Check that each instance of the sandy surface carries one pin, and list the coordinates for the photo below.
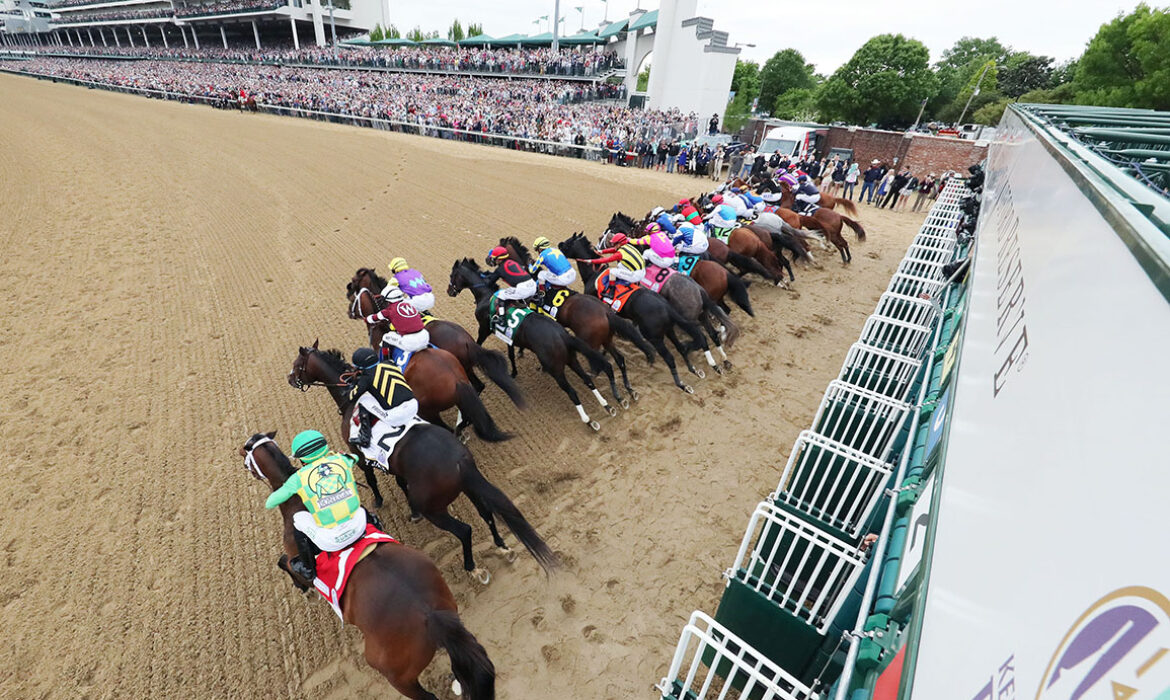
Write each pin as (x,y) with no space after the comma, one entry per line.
(162,264)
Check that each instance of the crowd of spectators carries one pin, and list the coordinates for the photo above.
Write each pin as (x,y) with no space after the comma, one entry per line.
(545,61)
(556,111)
(224,7)
(87,17)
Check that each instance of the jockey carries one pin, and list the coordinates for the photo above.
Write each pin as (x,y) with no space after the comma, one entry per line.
(631,266)
(661,250)
(333,518)
(521,287)
(382,394)
(806,193)
(691,240)
(734,200)
(662,218)
(411,281)
(688,211)
(551,267)
(723,217)
(407,332)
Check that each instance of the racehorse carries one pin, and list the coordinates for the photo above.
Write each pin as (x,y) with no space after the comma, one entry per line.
(395,596)
(828,201)
(447,335)
(591,320)
(430,465)
(653,314)
(719,282)
(695,305)
(829,222)
(553,346)
(747,244)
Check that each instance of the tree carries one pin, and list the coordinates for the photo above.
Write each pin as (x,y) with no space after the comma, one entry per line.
(1127,64)
(884,82)
(738,112)
(474,30)
(376,34)
(455,32)
(417,34)
(785,70)
(991,112)
(986,79)
(799,104)
(392,33)
(746,78)
(1063,73)
(644,79)
(1024,72)
(956,66)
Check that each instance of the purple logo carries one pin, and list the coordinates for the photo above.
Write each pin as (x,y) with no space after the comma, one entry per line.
(1116,650)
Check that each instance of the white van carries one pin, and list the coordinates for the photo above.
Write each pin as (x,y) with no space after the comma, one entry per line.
(795,142)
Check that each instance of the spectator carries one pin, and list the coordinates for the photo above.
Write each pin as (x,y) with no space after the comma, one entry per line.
(893,183)
(851,175)
(925,190)
(870,181)
(717,164)
(713,125)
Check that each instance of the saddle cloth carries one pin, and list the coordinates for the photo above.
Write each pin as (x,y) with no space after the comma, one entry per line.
(616,296)
(334,568)
(505,325)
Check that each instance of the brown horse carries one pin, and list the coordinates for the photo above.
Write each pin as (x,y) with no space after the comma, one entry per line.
(447,335)
(828,201)
(591,320)
(431,467)
(395,596)
(822,219)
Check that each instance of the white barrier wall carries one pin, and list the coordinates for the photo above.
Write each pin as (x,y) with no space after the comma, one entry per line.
(1049,566)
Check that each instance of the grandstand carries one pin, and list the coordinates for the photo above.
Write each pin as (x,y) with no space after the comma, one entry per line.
(995,427)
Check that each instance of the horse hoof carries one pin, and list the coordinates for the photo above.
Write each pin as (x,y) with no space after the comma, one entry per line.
(595,425)
(626,402)
(416,517)
(687,388)
(481,575)
(463,438)
(378,503)
(717,368)
(456,688)
(727,365)
(509,554)
(611,410)
(700,374)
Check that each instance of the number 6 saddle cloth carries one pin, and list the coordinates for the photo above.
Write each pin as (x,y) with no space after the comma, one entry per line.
(554,299)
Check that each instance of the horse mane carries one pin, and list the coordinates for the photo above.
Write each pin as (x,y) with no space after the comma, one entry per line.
(467,264)
(283,463)
(517,246)
(378,279)
(335,360)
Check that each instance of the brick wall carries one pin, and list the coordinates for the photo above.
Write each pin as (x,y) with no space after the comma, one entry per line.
(920,152)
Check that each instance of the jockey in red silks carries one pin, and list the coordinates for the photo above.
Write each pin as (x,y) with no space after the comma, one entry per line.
(689,213)
(631,266)
(407,331)
(521,287)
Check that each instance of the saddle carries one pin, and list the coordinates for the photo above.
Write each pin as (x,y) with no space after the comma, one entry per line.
(616,295)
(504,325)
(685,263)
(554,299)
(334,568)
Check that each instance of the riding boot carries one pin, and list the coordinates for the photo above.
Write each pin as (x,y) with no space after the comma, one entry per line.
(305,563)
(538,298)
(373,519)
(365,429)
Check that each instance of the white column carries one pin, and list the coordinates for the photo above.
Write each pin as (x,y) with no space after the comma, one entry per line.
(256,33)
(223,35)
(129,36)
(103,36)
(318,25)
(194,36)
(90,33)
(296,39)
(70,38)
(146,40)
(184,33)
(631,67)
(162,30)
(117,41)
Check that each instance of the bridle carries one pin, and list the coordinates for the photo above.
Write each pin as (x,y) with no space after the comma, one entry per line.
(250,458)
(304,386)
(355,308)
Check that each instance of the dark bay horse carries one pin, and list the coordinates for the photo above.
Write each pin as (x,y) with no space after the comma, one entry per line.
(395,596)
(719,282)
(828,201)
(746,244)
(554,347)
(431,467)
(654,315)
(824,220)
(363,291)
(591,320)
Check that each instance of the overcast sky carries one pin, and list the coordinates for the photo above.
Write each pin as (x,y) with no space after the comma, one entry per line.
(1048,27)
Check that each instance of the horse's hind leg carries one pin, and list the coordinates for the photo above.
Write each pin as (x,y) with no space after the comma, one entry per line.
(575,365)
(371,480)
(660,345)
(405,680)
(717,338)
(684,350)
(415,516)
(490,519)
(462,531)
(559,376)
(620,360)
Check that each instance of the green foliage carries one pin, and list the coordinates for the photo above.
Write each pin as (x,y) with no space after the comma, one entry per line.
(392,33)
(785,70)
(1024,72)
(884,82)
(746,78)
(955,68)
(474,30)
(1127,64)
(455,31)
(644,79)
(991,112)
(376,34)
(1061,94)
(417,34)
(738,112)
(799,105)
(1063,73)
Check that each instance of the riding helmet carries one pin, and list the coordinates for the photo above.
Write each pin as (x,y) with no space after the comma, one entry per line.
(398,265)
(497,254)
(618,239)
(541,243)
(364,358)
(308,445)
(395,293)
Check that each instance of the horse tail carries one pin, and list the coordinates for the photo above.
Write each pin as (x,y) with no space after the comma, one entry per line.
(469,660)
(856,226)
(626,329)
(747,264)
(738,292)
(721,316)
(485,494)
(789,243)
(495,366)
(597,361)
(847,205)
(472,407)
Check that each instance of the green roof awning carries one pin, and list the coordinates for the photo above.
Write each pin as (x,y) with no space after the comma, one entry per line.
(478,40)
(511,39)
(613,29)
(582,38)
(393,42)
(650,19)
(545,38)
(437,42)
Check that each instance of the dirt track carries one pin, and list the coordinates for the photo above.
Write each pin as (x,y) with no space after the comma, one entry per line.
(163,262)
